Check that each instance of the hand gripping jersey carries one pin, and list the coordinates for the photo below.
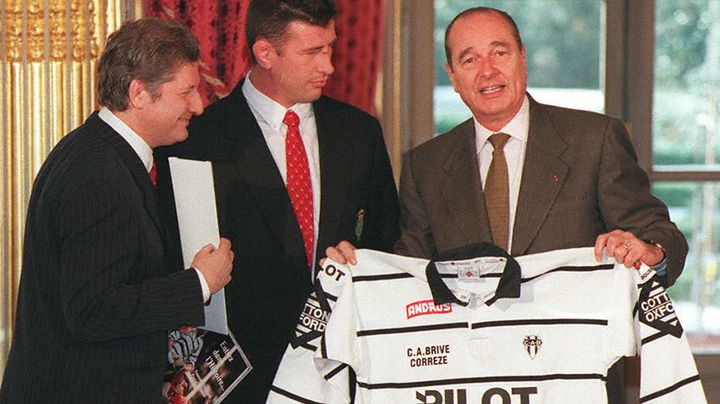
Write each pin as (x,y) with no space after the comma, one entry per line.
(544,328)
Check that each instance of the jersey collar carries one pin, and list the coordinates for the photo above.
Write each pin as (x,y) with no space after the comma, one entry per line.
(508,286)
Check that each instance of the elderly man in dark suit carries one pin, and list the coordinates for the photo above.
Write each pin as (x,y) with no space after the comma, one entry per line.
(296,172)
(99,289)
(572,177)
(569,178)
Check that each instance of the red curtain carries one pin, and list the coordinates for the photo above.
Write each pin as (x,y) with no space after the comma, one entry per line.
(359,26)
(220,28)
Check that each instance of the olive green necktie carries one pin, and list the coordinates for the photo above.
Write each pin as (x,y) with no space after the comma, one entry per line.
(497,191)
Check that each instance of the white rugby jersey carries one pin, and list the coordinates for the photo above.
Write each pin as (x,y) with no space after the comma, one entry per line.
(542,329)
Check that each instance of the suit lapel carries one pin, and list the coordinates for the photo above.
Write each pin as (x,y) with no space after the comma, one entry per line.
(254,162)
(462,191)
(543,175)
(139,174)
(336,159)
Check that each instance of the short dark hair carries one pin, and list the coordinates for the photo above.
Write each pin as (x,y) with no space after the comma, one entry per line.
(479,10)
(269,18)
(150,50)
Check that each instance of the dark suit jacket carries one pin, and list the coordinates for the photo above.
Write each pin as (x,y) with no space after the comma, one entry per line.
(580,179)
(270,279)
(96,294)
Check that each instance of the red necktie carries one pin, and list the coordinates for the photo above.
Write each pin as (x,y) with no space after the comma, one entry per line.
(153,174)
(299,185)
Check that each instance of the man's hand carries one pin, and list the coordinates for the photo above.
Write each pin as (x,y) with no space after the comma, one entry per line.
(215,264)
(627,249)
(342,253)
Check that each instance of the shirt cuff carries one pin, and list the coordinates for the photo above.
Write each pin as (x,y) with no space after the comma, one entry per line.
(206,288)
(661,267)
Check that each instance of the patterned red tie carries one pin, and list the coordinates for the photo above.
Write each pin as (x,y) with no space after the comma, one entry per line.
(299,185)
(153,174)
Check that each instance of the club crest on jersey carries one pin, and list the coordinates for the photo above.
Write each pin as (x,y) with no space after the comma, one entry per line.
(657,311)
(423,307)
(532,345)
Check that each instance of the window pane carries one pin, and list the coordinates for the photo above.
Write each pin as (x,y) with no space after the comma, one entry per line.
(695,208)
(564,51)
(686,100)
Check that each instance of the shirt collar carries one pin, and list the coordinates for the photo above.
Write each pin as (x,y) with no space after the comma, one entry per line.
(517,128)
(508,285)
(269,111)
(142,149)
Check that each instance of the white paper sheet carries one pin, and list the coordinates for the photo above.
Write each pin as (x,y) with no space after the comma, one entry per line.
(197,219)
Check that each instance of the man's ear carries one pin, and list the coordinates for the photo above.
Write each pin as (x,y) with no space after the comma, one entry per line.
(138,95)
(264,52)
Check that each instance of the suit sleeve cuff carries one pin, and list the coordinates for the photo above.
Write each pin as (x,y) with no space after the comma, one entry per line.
(206,288)
(661,267)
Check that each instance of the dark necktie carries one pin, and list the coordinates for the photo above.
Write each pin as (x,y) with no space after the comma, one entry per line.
(497,191)
(153,174)
(299,184)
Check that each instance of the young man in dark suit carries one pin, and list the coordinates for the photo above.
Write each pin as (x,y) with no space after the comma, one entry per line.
(99,289)
(280,228)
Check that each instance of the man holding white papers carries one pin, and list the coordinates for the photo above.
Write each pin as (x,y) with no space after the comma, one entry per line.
(99,290)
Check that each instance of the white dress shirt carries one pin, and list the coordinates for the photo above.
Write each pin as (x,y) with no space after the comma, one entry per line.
(144,151)
(269,116)
(515,147)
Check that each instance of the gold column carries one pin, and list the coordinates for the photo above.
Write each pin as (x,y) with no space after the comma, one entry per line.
(49,50)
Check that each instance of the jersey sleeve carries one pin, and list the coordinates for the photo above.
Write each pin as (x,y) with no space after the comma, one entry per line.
(339,349)
(297,378)
(668,372)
